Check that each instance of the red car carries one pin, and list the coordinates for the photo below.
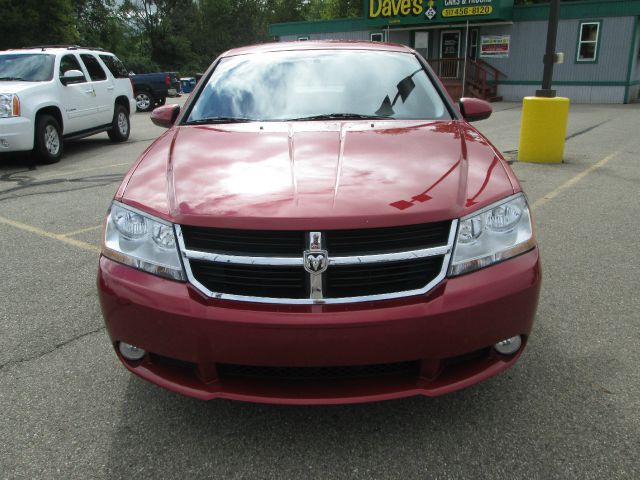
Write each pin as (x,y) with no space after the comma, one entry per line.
(319,224)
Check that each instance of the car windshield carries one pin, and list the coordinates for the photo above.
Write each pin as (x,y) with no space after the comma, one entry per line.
(28,67)
(316,85)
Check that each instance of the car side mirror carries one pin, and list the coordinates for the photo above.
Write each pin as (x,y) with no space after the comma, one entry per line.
(165,116)
(72,76)
(474,109)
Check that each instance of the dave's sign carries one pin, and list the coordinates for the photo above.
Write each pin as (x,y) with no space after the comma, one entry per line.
(394,8)
(436,10)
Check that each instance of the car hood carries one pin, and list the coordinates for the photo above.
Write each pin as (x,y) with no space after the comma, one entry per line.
(317,175)
(17,87)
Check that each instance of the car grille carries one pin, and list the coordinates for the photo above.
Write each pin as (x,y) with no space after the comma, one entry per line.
(351,265)
(380,278)
(257,281)
(385,240)
(244,242)
(319,373)
(365,241)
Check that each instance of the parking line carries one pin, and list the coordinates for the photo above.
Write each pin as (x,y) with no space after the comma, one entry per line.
(82,230)
(573,180)
(50,235)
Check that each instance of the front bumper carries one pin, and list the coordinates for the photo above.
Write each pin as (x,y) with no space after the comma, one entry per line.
(447,333)
(16,134)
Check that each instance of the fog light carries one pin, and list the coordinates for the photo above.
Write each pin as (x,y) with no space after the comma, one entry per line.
(4,143)
(131,352)
(508,346)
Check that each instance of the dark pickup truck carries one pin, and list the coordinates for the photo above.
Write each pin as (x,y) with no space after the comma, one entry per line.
(151,89)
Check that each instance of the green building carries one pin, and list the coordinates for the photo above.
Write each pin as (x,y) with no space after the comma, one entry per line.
(493,49)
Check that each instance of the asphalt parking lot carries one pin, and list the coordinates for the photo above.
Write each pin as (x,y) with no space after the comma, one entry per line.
(569,409)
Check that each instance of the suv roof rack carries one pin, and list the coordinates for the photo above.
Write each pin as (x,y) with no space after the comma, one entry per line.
(68,47)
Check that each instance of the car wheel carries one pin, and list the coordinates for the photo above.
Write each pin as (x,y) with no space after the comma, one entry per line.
(48,142)
(120,126)
(162,101)
(144,101)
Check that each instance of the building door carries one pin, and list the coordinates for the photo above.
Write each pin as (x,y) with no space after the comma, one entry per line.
(473,45)
(449,53)
(421,43)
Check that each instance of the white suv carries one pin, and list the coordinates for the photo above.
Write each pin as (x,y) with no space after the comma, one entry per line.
(51,94)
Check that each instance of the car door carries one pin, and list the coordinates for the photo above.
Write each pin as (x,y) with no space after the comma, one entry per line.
(103,87)
(77,98)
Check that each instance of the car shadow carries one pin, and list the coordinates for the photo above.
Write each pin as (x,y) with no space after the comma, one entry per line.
(24,160)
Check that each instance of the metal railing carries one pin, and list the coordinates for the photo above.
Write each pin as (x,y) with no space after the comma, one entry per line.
(480,78)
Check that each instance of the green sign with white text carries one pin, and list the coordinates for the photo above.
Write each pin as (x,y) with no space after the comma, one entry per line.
(399,12)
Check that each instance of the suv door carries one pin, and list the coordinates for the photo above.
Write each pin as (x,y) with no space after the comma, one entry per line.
(77,98)
(103,87)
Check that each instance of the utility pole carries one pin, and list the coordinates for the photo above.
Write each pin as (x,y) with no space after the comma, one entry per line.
(550,55)
(545,116)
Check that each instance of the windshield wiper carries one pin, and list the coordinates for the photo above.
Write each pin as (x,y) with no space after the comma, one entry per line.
(339,116)
(214,120)
(13,79)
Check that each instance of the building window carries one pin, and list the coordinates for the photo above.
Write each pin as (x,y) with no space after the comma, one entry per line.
(588,42)
(303,39)
(377,37)
(472,52)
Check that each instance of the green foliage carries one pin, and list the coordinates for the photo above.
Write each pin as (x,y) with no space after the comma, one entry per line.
(33,22)
(159,35)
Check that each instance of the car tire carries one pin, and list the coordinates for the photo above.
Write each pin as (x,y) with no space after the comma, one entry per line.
(144,101)
(48,143)
(162,101)
(120,126)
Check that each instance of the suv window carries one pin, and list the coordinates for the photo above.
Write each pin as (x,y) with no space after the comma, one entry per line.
(70,62)
(93,67)
(115,66)
(31,67)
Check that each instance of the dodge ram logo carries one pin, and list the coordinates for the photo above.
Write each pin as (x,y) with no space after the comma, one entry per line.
(316,261)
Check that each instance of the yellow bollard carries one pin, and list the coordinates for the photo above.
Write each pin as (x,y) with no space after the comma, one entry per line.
(543,129)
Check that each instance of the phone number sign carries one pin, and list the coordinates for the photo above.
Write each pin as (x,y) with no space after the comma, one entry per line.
(467,11)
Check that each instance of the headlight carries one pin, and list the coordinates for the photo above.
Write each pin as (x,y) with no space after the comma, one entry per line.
(142,241)
(496,233)
(9,105)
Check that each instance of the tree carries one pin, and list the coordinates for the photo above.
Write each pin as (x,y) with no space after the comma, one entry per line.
(32,22)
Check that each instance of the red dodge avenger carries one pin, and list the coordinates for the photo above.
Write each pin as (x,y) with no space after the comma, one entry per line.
(319,224)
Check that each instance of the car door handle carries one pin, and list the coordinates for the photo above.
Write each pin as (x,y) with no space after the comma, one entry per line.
(110,87)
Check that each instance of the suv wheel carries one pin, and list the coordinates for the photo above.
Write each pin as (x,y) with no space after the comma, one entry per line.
(120,126)
(48,140)
(144,101)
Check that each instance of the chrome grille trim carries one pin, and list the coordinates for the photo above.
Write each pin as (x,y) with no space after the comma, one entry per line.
(445,251)
(298,261)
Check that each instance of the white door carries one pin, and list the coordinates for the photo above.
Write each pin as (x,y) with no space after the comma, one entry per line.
(421,44)
(78,98)
(104,88)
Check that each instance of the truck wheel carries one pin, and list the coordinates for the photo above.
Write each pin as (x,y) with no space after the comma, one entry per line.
(120,126)
(162,101)
(144,101)
(47,147)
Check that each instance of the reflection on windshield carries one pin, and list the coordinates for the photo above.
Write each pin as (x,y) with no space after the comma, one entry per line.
(316,84)
(34,67)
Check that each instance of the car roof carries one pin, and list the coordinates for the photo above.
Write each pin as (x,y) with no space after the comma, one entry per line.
(57,49)
(318,45)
